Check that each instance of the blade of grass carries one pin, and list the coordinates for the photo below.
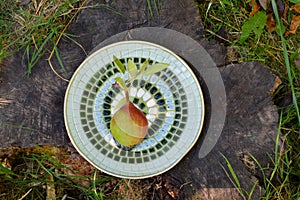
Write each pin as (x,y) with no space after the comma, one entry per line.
(37,54)
(17,126)
(59,58)
(34,57)
(156,7)
(150,8)
(252,190)
(236,181)
(286,58)
(59,38)
(96,195)
(5,171)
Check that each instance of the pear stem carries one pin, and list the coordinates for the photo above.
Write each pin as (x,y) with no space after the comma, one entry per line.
(127,96)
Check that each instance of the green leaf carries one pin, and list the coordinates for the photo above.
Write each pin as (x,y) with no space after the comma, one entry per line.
(144,65)
(295,1)
(256,24)
(121,83)
(119,64)
(152,69)
(132,69)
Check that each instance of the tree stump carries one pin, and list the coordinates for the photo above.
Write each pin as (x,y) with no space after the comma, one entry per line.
(32,106)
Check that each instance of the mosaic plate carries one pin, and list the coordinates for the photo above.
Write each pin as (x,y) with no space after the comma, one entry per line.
(171,99)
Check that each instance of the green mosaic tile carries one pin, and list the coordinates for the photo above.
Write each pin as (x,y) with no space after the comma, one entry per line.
(82,107)
(92,124)
(98,146)
(160,153)
(90,117)
(137,154)
(103,151)
(83,121)
(117,158)
(85,93)
(93,141)
(153,157)
(146,159)
(98,137)
(89,110)
(130,154)
(110,155)
(166,149)
(89,135)
(85,128)
(116,151)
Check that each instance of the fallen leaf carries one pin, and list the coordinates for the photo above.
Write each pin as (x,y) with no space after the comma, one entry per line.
(277,82)
(264,4)
(296,8)
(255,7)
(271,23)
(295,22)
(172,191)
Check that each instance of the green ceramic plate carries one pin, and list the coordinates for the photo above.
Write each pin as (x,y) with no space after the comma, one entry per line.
(172,100)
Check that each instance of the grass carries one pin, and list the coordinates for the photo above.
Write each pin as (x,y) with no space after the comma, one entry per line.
(51,173)
(224,21)
(37,27)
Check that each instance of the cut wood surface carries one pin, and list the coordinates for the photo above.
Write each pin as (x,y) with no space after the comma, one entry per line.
(31,107)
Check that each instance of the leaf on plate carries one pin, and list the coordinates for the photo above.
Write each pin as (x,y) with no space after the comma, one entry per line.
(264,4)
(132,69)
(296,8)
(121,83)
(152,69)
(271,23)
(256,24)
(144,65)
(119,64)
(295,22)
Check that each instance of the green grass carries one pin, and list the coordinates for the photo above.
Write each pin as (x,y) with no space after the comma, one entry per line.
(49,173)
(225,21)
(35,27)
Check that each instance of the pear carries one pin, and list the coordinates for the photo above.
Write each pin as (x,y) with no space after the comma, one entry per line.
(129,125)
